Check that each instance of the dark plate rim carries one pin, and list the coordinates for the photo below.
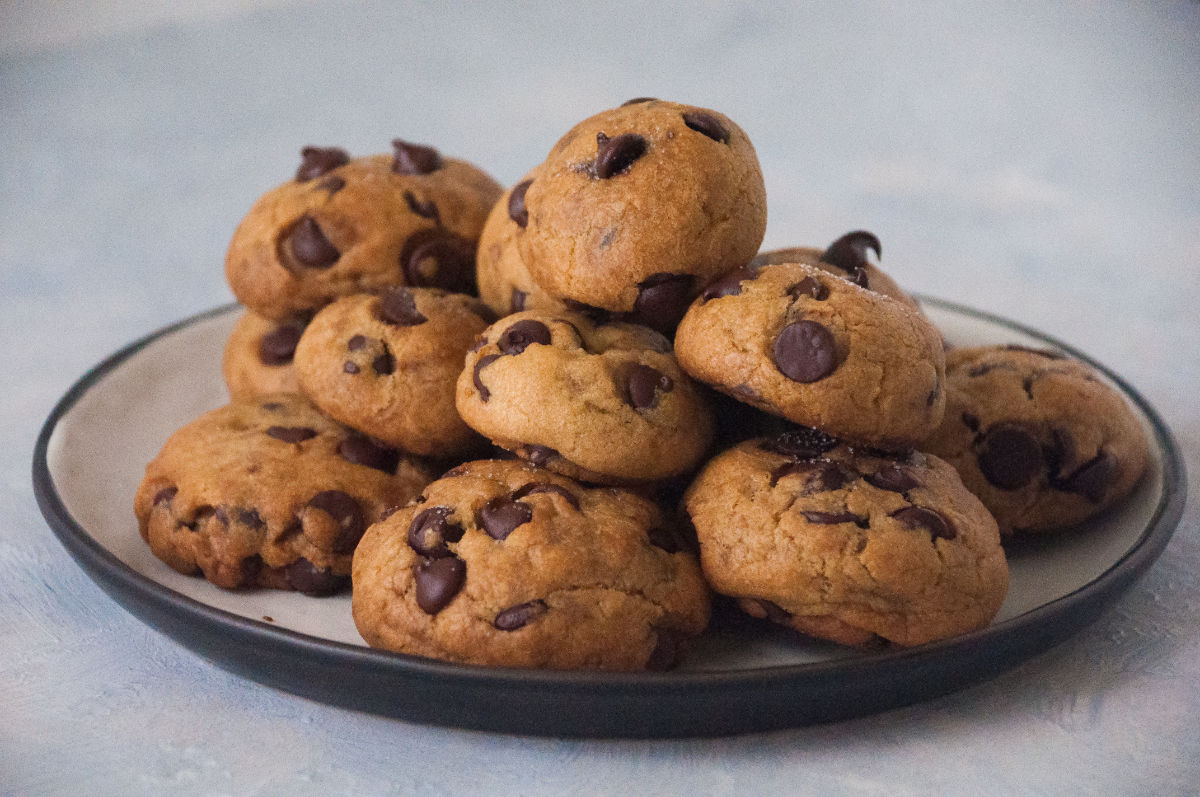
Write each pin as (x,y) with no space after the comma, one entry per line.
(991,650)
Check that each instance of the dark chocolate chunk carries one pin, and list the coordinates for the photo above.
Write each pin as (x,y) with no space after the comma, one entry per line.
(519,616)
(802,443)
(438,581)
(278,346)
(483,362)
(728,285)
(819,476)
(805,351)
(346,512)
(1009,456)
(531,488)
(662,300)
(311,580)
(430,531)
(398,307)
(165,495)
(616,155)
(706,124)
(356,343)
(918,517)
(250,567)
(893,478)
(361,450)
(414,158)
(437,258)
(849,253)
(516,203)
(249,517)
(308,245)
(834,518)
(1094,477)
(811,287)
(970,421)
(426,210)
(384,364)
(643,385)
(501,515)
(523,334)
(291,434)
(316,161)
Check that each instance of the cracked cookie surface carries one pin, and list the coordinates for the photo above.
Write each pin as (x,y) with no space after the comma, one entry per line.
(502,563)
(797,341)
(600,402)
(269,493)
(845,543)
(346,226)
(1038,436)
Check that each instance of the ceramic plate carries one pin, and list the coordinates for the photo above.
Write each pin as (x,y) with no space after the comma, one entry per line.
(741,676)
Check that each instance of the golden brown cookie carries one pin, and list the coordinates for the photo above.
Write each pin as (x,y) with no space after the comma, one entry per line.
(387,366)
(505,564)
(847,544)
(258,356)
(819,350)
(1038,436)
(269,493)
(346,226)
(637,208)
(599,402)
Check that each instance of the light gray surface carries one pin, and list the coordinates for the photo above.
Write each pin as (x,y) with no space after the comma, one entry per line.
(1038,162)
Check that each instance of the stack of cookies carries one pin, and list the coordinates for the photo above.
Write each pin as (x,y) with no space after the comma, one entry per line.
(480,408)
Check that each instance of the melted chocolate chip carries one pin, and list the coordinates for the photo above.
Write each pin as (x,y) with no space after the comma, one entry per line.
(1094,477)
(516,203)
(728,285)
(805,351)
(937,524)
(1009,457)
(638,101)
(438,581)
(426,210)
(615,156)
(810,287)
(970,421)
(291,434)
(316,161)
(483,362)
(818,476)
(801,443)
(384,364)
(362,450)
(414,158)
(332,184)
(346,513)
(398,307)
(893,478)
(308,245)
(430,531)
(278,346)
(165,495)
(849,253)
(834,518)
(249,517)
(540,455)
(519,616)
(438,258)
(516,302)
(523,334)
(643,385)
(501,515)
(706,124)
(532,488)
(305,577)
(356,343)
(662,300)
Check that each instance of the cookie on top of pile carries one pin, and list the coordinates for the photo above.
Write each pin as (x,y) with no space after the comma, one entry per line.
(629,405)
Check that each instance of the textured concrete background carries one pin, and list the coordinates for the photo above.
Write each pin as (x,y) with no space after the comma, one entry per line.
(1036,160)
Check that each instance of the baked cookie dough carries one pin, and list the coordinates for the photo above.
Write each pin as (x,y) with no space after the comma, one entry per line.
(501,563)
(637,208)
(346,226)
(600,402)
(387,366)
(258,356)
(821,351)
(269,493)
(1038,436)
(845,543)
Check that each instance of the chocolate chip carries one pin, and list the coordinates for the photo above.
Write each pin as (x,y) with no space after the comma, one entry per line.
(426,210)
(707,124)
(414,158)
(662,300)
(271,406)
(361,450)
(893,478)
(523,334)
(483,362)
(350,367)
(1009,457)
(937,524)
(316,161)
(346,513)
(438,581)
(291,434)
(615,156)
(278,346)
(249,517)
(539,455)
(811,287)
(398,307)
(434,257)
(305,577)
(986,368)
(834,518)
(519,616)
(819,476)
(597,315)
(1094,477)
(309,246)
(545,487)
(728,285)
(430,531)
(356,343)
(970,421)
(501,515)
(644,384)
(249,569)
(517,302)
(516,203)
(638,101)
(384,364)
(849,253)
(801,443)
(805,351)
(165,495)
(332,184)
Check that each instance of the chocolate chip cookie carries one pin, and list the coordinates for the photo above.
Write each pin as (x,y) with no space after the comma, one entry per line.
(502,563)
(819,350)
(1041,439)
(599,402)
(269,493)
(346,226)
(387,366)
(635,209)
(847,543)
(258,356)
